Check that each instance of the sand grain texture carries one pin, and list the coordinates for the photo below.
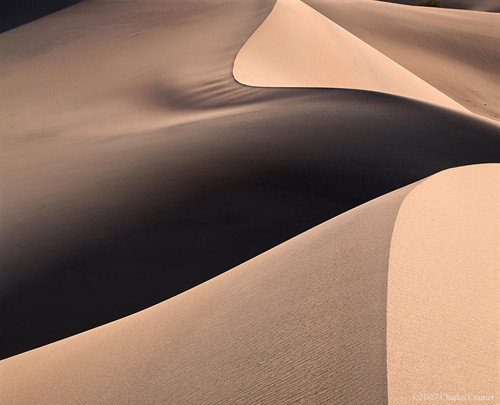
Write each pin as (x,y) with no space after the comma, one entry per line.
(442,309)
(302,322)
(169,235)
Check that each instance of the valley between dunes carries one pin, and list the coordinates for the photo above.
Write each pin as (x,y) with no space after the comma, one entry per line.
(250,202)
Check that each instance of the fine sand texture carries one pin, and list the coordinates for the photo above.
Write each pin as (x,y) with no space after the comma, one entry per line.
(306,321)
(142,217)
(249,202)
(442,301)
(135,167)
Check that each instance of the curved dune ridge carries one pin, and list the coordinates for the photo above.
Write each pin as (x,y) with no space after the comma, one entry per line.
(306,321)
(298,47)
(137,168)
(302,322)
(455,51)
(171,236)
(442,305)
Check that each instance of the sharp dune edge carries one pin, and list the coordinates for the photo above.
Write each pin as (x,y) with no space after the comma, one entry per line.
(309,313)
(443,286)
(298,47)
(138,172)
(132,157)
(302,322)
(455,51)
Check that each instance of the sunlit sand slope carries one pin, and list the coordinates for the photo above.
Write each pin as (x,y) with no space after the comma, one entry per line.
(455,51)
(112,225)
(442,317)
(135,167)
(304,322)
(351,311)
(298,47)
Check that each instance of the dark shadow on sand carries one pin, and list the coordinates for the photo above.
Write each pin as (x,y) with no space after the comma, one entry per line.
(14,13)
(270,175)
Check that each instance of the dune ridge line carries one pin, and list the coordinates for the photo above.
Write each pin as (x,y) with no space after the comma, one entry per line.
(443,287)
(296,46)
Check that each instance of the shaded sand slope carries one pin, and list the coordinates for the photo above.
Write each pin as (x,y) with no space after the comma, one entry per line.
(304,322)
(102,68)
(442,319)
(16,12)
(141,211)
(135,167)
(455,51)
(298,47)
(477,5)
(81,86)
(111,226)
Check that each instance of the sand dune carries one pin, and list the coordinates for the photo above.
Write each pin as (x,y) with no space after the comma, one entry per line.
(305,321)
(135,168)
(455,51)
(477,5)
(298,47)
(302,322)
(144,168)
(442,309)
(141,210)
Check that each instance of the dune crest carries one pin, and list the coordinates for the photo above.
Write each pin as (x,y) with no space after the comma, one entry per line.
(296,46)
(310,312)
(301,323)
(442,312)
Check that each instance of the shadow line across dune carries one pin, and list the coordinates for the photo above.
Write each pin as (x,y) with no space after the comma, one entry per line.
(238,186)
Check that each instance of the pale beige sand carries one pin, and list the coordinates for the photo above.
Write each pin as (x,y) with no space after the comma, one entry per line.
(298,47)
(302,323)
(306,321)
(102,68)
(135,166)
(442,310)
(455,51)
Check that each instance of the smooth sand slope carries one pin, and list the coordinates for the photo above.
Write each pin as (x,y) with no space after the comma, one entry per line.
(455,51)
(298,47)
(306,321)
(118,225)
(442,311)
(477,5)
(135,167)
(17,12)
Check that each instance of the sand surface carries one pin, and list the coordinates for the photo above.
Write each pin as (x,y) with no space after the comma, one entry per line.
(476,5)
(298,47)
(455,51)
(302,322)
(442,299)
(142,166)
(137,171)
(306,321)
(144,230)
